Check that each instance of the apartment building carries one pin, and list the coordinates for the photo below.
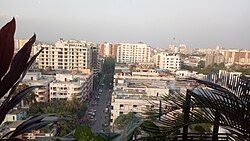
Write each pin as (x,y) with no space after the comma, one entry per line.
(19,43)
(182,48)
(96,64)
(68,55)
(108,50)
(37,79)
(213,58)
(68,86)
(236,56)
(193,60)
(186,74)
(166,61)
(132,95)
(123,72)
(133,53)
(133,89)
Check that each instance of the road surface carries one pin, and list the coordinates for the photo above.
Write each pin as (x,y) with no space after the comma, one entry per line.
(100,105)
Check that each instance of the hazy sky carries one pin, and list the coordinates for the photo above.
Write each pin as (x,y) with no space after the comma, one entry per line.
(197,23)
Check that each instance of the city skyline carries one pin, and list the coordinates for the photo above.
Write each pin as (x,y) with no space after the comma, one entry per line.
(198,24)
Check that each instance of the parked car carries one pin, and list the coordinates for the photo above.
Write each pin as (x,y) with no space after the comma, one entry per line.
(106,110)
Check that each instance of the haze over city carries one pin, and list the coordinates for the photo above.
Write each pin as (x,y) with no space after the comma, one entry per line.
(199,24)
(125,70)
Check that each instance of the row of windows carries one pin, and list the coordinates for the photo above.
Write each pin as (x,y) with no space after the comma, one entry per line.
(171,58)
(134,106)
(59,67)
(171,64)
(172,61)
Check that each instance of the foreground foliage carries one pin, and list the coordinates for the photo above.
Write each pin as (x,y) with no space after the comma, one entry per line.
(12,70)
(226,105)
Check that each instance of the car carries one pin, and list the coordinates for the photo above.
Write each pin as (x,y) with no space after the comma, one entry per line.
(105,124)
(106,110)
(92,103)
(92,113)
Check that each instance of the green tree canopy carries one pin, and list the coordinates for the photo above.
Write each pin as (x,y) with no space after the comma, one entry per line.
(122,121)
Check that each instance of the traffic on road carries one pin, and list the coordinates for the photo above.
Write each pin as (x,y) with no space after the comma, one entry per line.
(98,112)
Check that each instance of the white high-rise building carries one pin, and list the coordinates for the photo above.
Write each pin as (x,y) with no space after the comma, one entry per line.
(68,55)
(133,53)
(164,60)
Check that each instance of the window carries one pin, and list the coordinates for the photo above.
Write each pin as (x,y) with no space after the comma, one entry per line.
(134,106)
(120,113)
(112,107)
(121,106)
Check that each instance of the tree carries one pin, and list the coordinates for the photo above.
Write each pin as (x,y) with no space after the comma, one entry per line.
(72,111)
(201,64)
(122,120)
(238,68)
(108,71)
(84,133)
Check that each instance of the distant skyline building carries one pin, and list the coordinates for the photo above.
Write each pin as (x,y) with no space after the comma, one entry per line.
(182,48)
(213,58)
(19,43)
(237,56)
(108,50)
(133,53)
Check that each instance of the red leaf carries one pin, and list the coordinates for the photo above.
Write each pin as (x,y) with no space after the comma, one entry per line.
(18,66)
(6,46)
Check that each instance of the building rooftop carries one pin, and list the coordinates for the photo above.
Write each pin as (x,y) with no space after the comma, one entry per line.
(41,81)
(15,124)
(130,91)
(13,112)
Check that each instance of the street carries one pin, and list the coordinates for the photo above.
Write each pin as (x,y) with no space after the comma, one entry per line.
(98,112)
